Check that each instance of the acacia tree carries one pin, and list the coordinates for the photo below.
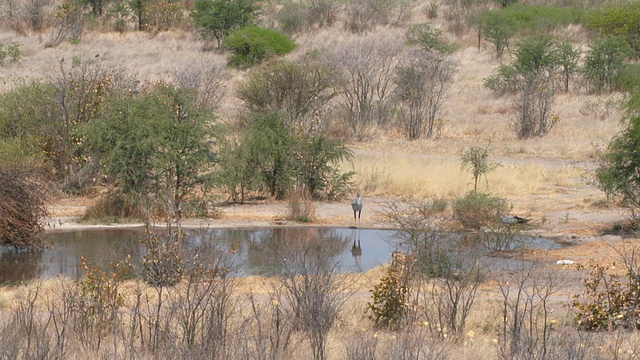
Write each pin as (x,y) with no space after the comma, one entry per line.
(51,111)
(154,146)
(531,82)
(299,89)
(220,17)
(604,62)
(422,82)
(476,160)
(619,172)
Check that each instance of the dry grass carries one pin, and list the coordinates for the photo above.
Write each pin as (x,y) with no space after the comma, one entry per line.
(420,176)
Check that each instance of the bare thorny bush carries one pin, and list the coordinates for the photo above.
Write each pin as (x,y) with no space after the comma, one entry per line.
(22,204)
(447,273)
(367,64)
(311,292)
(527,311)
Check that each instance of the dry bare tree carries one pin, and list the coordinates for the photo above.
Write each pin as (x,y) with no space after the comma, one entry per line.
(204,79)
(422,81)
(365,66)
(312,292)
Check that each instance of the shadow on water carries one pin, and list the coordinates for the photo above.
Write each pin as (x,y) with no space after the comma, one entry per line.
(256,251)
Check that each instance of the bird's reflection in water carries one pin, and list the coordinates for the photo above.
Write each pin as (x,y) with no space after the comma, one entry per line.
(356,249)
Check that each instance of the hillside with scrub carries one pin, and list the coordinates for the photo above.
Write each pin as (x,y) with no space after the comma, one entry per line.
(448,116)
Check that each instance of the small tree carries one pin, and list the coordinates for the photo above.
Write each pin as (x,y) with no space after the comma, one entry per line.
(428,38)
(154,145)
(604,63)
(299,89)
(531,82)
(278,158)
(421,85)
(498,30)
(252,45)
(220,17)
(619,172)
(568,57)
(618,19)
(476,160)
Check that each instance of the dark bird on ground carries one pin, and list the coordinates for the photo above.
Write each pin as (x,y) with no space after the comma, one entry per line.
(512,219)
(357,208)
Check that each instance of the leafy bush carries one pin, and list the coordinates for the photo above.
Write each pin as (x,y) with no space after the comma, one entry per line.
(618,173)
(218,18)
(251,45)
(272,157)
(429,38)
(23,207)
(499,25)
(629,78)
(604,62)
(618,19)
(390,297)
(154,146)
(609,301)
(11,52)
(531,82)
(476,210)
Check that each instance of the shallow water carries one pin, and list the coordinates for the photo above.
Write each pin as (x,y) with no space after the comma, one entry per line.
(256,251)
(266,251)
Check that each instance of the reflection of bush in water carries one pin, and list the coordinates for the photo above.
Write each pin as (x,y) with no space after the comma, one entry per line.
(285,243)
(16,266)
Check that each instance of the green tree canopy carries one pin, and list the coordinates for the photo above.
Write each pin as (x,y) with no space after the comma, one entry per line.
(220,17)
(299,89)
(619,172)
(154,145)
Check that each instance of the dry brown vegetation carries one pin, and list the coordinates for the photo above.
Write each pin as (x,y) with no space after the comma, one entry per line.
(548,179)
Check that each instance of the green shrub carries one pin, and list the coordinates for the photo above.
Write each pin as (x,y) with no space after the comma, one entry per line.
(476,210)
(603,64)
(272,157)
(251,45)
(620,19)
(390,297)
(501,82)
(608,303)
(499,25)
(12,53)
(429,38)
(629,78)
